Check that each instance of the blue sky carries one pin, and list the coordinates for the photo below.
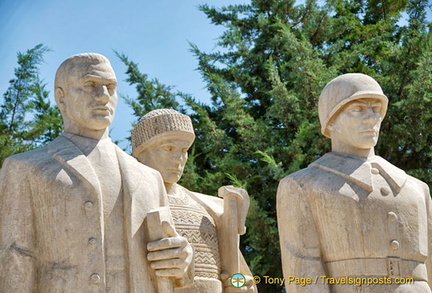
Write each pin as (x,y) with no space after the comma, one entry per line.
(154,34)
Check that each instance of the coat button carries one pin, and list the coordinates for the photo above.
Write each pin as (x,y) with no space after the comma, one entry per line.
(88,205)
(92,242)
(392,216)
(394,244)
(374,171)
(385,191)
(95,279)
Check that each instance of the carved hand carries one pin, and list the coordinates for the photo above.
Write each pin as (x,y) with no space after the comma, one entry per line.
(170,256)
(243,203)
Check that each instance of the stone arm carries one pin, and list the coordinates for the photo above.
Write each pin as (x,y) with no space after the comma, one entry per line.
(236,205)
(299,238)
(17,232)
(215,206)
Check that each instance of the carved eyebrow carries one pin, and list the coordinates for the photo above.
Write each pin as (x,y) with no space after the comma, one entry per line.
(96,77)
(172,143)
(90,76)
(365,103)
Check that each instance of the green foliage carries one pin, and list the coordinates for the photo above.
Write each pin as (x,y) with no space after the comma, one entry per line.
(27,119)
(151,93)
(274,59)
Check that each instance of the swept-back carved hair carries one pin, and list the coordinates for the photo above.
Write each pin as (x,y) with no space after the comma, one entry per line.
(73,64)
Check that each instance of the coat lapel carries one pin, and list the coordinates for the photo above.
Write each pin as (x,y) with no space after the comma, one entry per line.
(359,171)
(352,169)
(133,203)
(142,191)
(395,177)
(68,154)
(139,198)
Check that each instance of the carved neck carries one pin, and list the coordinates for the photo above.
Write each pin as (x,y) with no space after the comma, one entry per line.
(94,134)
(340,147)
(171,188)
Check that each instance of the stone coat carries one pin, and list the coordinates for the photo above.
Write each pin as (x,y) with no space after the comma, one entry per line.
(51,228)
(344,216)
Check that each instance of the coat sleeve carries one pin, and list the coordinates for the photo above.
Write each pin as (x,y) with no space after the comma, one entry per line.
(299,239)
(17,233)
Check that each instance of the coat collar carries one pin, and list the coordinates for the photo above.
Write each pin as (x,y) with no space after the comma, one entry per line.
(359,171)
(134,189)
(67,153)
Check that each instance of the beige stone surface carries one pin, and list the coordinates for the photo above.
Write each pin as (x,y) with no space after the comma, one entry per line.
(72,213)
(351,214)
(161,140)
(158,225)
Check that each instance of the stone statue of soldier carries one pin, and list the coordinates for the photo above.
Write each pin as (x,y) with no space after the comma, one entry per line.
(72,213)
(161,140)
(351,215)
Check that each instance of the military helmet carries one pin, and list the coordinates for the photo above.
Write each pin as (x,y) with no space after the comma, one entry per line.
(344,89)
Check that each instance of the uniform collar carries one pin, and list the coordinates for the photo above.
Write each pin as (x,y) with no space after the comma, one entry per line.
(359,170)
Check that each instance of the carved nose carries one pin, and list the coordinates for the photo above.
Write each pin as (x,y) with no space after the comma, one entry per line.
(103,93)
(177,159)
(370,116)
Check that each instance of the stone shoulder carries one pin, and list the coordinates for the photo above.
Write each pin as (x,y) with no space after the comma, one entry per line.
(302,176)
(413,179)
(140,171)
(213,204)
(208,198)
(28,160)
(134,162)
(424,187)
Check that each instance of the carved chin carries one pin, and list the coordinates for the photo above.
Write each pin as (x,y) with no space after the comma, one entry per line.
(368,142)
(172,177)
(100,122)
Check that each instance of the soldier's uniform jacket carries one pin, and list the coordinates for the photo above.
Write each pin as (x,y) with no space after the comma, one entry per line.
(51,225)
(344,216)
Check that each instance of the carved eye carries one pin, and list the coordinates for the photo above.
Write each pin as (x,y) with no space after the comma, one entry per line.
(376,109)
(111,87)
(357,109)
(168,148)
(89,84)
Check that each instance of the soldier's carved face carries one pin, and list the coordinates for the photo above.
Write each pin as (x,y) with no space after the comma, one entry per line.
(90,97)
(357,125)
(168,155)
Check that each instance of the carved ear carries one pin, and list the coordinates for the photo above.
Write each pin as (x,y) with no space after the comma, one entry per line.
(59,98)
(331,128)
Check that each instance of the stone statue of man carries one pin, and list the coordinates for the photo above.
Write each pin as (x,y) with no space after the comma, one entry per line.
(72,212)
(351,221)
(161,140)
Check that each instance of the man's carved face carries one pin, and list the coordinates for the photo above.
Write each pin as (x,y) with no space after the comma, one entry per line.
(90,97)
(168,155)
(357,125)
